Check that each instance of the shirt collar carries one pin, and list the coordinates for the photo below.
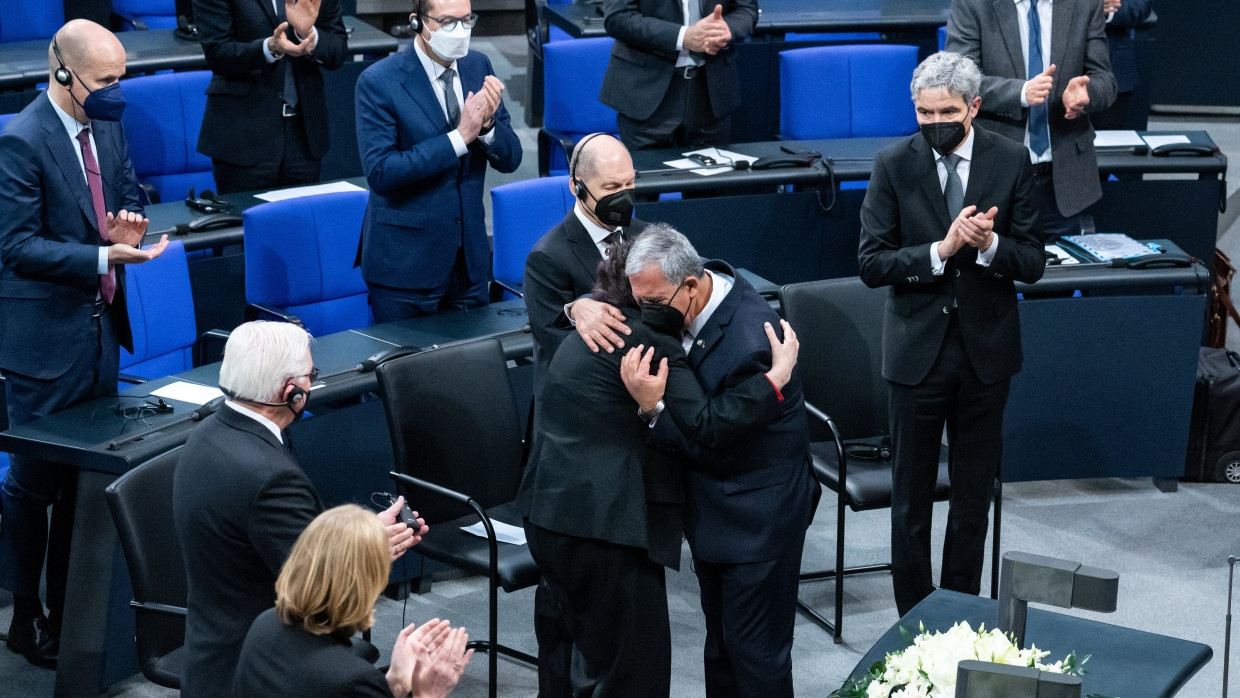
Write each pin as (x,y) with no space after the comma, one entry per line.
(72,125)
(596,231)
(271,426)
(720,286)
(965,151)
(432,68)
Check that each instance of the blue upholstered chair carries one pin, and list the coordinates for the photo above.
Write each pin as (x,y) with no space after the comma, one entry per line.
(521,212)
(24,20)
(4,119)
(145,14)
(846,91)
(942,38)
(161,314)
(572,75)
(838,37)
(162,123)
(299,261)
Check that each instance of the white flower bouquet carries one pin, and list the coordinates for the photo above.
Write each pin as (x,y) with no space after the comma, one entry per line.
(927,667)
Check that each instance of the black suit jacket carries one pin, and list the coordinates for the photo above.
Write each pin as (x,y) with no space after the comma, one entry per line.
(283,660)
(643,58)
(588,474)
(752,500)
(904,213)
(49,240)
(562,267)
(239,501)
(242,124)
(988,31)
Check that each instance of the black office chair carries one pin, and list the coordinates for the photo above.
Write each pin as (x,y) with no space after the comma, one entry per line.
(456,438)
(840,325)
(141,504)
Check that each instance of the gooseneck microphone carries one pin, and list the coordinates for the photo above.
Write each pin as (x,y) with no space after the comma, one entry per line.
(1231,575)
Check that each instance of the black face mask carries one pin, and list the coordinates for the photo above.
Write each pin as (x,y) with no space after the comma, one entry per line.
(615,209)
(663,317)
(944,136)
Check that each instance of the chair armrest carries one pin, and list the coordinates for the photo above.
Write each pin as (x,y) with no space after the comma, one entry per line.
(130,378)
(514,289)
(209,347)
(150,192)
(545,139)
(158,608)
(254,311)
(458,497)
(119,19)
(824,418)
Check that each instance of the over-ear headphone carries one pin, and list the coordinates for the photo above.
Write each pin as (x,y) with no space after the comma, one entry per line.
(296,396)
(415,19)
(863,451)
(579,187)
(61,74)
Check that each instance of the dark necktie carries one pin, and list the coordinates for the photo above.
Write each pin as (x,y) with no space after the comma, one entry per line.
(107,282)
(1039,133)
(611,239)
(953,191)
(449,98)
(290,81)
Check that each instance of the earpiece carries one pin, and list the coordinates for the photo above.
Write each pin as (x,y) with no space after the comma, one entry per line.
(415,17)
(579,187)
(295,397)
(61,74)
(415,23)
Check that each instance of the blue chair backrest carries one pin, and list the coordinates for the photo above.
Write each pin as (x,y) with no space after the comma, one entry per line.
(846,91)
(155,14)
(942,38)
(161,124)
(24,20)
(832,36)
(4,119)
(161,314)
(521,212)
(572,76)
(299,259)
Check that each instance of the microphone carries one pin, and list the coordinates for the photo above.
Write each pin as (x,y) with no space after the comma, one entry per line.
(206,410)
(1231,575)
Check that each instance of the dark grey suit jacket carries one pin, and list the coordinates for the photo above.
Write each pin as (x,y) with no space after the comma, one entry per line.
(904,213)
(283,660)
(643,58)
(239,501)
(988,32)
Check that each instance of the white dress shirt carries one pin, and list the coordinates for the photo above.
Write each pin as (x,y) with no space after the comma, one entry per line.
(242,409)
(433,71)
(1045,10)
(692,11)
(965,151)
(720,286)
(73,127)
(596,232)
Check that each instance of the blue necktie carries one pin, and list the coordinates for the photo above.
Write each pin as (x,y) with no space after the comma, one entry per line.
(1039,133)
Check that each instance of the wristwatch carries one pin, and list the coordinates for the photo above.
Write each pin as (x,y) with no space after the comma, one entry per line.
(652,414)
(487,128)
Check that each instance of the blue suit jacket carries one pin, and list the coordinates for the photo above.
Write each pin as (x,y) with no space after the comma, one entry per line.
(752,500)
(424,201)
(49,240)
(1131,14)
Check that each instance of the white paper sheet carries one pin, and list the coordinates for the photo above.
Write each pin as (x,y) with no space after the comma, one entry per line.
(504,533)
(1155,141)
(295,192)
(184,391)
(723,156)
(1116,139)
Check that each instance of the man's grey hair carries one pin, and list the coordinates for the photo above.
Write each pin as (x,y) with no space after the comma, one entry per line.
(662,245)
(260,356)
(959,74)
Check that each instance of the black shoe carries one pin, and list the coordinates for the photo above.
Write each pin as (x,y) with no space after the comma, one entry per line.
(32,640)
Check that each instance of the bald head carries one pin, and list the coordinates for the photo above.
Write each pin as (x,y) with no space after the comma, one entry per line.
(601,152)
(93,55)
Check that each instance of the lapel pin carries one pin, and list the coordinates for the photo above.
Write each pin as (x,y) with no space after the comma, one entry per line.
(701,344)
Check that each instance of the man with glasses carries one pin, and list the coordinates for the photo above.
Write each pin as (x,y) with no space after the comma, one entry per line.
(265,123)
(240,500)
(429,121)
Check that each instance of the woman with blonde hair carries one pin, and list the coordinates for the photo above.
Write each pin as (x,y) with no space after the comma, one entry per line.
(326,593)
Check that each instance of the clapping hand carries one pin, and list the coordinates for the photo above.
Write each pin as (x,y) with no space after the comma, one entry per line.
(1076,96)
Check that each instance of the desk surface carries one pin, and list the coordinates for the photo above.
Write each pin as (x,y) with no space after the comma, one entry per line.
(779,16)
(93,436)
(24,63)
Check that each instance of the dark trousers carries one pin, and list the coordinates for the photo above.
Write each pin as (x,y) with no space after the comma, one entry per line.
(32,485)
(682,120)
(950,394)
(455,292)
(613,601)
(750,611)
(1051,222)
(294,166)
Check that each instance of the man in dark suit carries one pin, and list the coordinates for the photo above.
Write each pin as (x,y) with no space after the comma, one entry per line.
(265,123)
(671,74)
(562,267)
(1045,67)
(71,222)
(948,223)
(426,138)
(602,519)
(747,505)
(240,500)
(1122,20)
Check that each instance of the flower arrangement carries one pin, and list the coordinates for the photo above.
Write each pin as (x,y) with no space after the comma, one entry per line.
(927,667)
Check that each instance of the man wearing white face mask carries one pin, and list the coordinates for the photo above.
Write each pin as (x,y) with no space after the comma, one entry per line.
(429,121)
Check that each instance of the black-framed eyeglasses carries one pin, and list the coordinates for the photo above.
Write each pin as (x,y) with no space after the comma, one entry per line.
(449,23)
(313,375)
